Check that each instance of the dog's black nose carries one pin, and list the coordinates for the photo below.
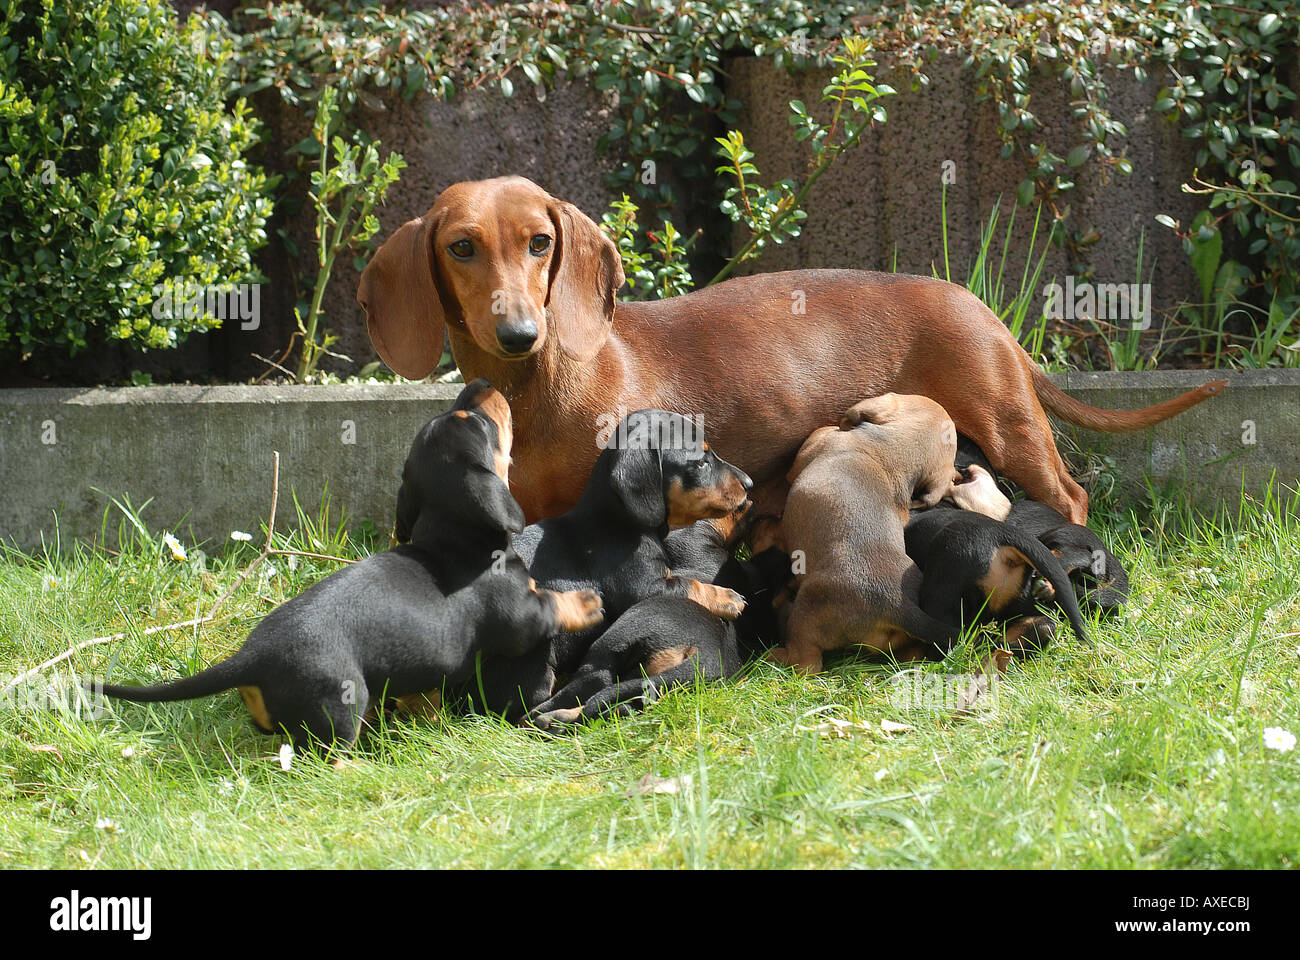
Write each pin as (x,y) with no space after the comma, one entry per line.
(518,336)
(745,480)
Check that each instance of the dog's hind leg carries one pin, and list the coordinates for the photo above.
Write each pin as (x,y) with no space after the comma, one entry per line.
(628,696)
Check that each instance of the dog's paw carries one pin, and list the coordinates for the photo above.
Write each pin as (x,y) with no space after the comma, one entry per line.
(719,601)
(551,719)
(778,655)
(578,609)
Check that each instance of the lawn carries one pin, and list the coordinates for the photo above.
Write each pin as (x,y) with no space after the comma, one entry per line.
(1146,749)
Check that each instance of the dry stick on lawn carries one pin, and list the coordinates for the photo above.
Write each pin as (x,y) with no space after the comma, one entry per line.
(267,551)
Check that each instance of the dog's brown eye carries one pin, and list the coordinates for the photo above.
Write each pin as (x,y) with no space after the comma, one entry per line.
(462,249)
(539,244)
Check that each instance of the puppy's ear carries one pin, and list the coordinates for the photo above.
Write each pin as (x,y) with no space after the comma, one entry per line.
(877,410)
(586,273)
(498,505)
(404,311)
(408,510)
(637,476)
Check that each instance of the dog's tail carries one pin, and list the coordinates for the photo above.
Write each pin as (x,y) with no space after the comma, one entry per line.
(232,672)
(1057,401)
(1045,562)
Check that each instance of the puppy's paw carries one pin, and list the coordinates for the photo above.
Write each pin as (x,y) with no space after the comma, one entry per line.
(778,655)
(802,662)
(719,601)
(566,716)
(578,609)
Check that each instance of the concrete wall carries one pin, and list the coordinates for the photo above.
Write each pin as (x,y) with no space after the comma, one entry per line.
(884,197)
(204,453)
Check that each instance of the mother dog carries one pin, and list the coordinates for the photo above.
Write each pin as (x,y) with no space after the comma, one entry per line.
(525,285)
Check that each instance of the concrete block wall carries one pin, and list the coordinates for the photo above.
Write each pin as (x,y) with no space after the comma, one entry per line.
(204,454)
(882,200)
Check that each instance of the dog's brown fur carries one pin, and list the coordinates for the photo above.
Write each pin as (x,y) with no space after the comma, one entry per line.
(762,377)
(851,489)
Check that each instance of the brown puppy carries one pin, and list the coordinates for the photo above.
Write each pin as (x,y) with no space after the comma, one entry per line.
(851,488)
(525,285)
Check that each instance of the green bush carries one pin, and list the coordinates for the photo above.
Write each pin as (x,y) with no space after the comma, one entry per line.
(121,168)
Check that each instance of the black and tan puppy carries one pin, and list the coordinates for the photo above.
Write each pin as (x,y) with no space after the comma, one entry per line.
(664,642)
(656,472)
(1100,580)
(976,569)
(413,618)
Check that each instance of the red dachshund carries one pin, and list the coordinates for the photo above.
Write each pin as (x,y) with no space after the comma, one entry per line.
(525,284)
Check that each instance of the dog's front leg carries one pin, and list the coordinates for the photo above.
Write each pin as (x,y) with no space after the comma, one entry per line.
(719,601)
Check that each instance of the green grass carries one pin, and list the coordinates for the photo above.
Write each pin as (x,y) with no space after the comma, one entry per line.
(1144,750)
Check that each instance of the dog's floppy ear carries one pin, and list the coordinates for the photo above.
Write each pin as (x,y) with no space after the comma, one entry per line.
(404,313)
(637,476)
(586,273)
(877,410)
(408,510)
(493,498)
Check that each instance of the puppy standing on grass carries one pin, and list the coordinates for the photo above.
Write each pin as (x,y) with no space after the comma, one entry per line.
(851,489)
(411,619)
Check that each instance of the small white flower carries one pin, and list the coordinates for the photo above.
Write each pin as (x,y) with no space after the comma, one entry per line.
(881,774)
(176,548)
(105,824)
(241,536)
(286,756)
(225,786)
(48,582)
(128,752)
(1275,738)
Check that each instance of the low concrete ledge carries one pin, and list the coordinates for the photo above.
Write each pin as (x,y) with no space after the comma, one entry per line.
(1239,440)
(203,454)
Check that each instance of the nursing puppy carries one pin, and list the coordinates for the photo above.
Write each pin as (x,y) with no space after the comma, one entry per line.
(656,472)
(1099,579)
(977,569)
(411,619)
(851,491)
(664,642)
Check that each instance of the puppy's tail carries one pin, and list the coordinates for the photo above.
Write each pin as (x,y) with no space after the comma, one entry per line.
(1057,401)
(221,676)
(1045,563)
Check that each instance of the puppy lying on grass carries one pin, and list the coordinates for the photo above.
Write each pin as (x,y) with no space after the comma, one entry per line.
(976,569)
(409,620)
